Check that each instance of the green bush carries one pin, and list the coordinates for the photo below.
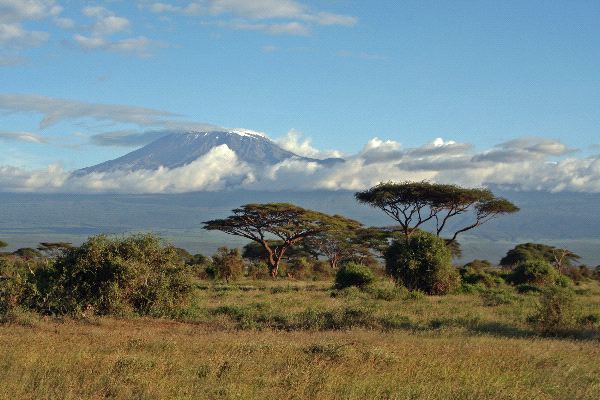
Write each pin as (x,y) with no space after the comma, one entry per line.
(20,284)
(537,272)
(352,274)
(496,297)
(423,263)
(480,272)
(555,311)
(136,274)
(228,264)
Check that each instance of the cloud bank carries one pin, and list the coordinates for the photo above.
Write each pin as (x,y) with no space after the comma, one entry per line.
(537,164)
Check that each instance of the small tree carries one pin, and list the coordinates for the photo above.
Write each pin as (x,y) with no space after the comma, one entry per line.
(352,274)
(110,275)
(3,244)
(261,222)
(228,264)
(413,204)
(345,239)
(536,272)
(423,263)
(561,259)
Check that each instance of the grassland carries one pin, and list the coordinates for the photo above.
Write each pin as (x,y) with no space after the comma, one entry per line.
(267,340)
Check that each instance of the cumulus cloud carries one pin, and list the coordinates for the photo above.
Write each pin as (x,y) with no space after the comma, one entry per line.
(13,13)
(216,170)
(106,24)
(295,142)
(271,16)
(379,160)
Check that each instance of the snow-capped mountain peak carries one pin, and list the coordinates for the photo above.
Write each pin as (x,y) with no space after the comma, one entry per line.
(178,148)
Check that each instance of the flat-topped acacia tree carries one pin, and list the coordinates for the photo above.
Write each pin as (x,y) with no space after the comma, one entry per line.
(413,204)
(262,222)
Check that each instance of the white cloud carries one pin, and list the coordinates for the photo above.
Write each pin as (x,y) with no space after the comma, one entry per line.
(64,23)
(19,180)
(214,171)
(140,45)
(13,13)
(14,35)
(379,160)
(293,141)
(106,24)
(54,110)
(23,137)
(271,16)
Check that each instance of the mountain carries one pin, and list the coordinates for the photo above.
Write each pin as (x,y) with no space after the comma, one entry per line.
(176,149)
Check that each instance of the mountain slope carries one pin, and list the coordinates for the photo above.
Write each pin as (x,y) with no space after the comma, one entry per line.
(177,149)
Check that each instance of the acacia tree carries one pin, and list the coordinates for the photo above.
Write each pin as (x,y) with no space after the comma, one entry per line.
(413,204)
(343,239)
(560,258)
(288,223)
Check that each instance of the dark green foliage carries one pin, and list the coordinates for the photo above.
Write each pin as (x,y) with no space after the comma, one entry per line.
(289,223)
(353,274)
(3,244)
(556,310)
(481,272)
(496,297)
(20,284)
(536,272)
(228,264)
(527,288)
(422,263)
(135,274)
(560,258)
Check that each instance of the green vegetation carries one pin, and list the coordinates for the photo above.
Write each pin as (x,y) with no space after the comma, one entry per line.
(423,262)
(316,306)
(352,274)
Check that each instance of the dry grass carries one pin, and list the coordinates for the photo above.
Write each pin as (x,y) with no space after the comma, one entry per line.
(453,347)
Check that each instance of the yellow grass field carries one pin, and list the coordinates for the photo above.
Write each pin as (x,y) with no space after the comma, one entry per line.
(452,347)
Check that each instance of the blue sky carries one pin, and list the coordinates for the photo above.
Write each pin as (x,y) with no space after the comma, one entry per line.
(340,72)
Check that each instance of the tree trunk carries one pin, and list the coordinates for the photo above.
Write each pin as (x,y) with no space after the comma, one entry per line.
(274,266)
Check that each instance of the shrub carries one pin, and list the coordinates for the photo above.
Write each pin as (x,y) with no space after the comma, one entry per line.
(496,297)
(20,283)
(555,311)
(136,274)
(423,263)
(480,272)
(228,264)
(258,270)
(353,274)
(536,272)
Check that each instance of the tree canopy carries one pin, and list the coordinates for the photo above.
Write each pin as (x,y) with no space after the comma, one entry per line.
(344,239)
(287,223)
(413,204)
(526,252)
